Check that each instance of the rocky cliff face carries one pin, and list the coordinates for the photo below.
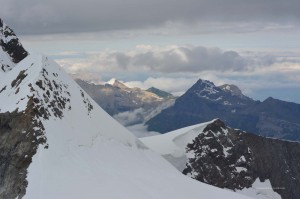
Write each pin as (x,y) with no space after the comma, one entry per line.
(18,139)
(229,158)
(20,136)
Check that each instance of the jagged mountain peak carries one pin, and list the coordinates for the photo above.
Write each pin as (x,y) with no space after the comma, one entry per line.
(215,125)
(11,51)
(116,83)
(204,88)
(209,91)
(204,83)
(120,85)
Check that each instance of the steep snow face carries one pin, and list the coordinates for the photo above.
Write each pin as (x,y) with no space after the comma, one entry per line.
(260,190)
(86,154)
(172,145)
(56,96)
(5,62)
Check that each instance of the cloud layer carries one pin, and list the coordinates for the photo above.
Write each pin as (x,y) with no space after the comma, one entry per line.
(170,59)
(176,68)
(69,16)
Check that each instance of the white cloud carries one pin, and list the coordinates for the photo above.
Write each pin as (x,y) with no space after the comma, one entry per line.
(169,59)
(139,130)
(69,16)
(173,85)
(176,68)
(130,117)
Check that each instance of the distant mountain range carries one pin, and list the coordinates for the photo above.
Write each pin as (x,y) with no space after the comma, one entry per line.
(204,101)
(218,155)
(115,98)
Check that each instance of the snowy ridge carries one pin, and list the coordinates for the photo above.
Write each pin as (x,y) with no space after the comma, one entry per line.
(172,145)
(86,154)
(5,62)
(55,94)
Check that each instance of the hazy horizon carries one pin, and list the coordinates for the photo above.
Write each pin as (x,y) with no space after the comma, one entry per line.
(168,44)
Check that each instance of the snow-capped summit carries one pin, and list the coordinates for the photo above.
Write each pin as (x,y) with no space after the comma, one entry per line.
(234,90)
(225,94)
(202,102)
(56,142)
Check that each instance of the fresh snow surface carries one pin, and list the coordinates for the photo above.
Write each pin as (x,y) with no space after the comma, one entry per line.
(5,60)
(172,146)
(260,190)
(11,99)
(90,155)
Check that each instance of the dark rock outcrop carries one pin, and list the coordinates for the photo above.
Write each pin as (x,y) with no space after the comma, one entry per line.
(20,135)
(229,158)
(10,44)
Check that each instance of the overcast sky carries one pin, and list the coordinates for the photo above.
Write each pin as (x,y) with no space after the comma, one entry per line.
(168,43)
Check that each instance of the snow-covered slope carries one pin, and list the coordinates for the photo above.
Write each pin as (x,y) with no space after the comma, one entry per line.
(80,151)
(172,145)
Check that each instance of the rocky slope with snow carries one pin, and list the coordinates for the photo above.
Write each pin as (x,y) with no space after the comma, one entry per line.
(160,93)
(56,142)
(12,50)
(204,101)
(229,158)
(118,100)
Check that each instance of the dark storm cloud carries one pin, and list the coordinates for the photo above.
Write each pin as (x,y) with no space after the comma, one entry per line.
(68,16)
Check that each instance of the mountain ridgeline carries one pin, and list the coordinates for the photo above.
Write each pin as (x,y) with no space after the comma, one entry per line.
(129,106)
(160,93)
(117,97)
(204,101)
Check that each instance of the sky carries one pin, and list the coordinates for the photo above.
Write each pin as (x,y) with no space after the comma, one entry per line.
(168,44)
